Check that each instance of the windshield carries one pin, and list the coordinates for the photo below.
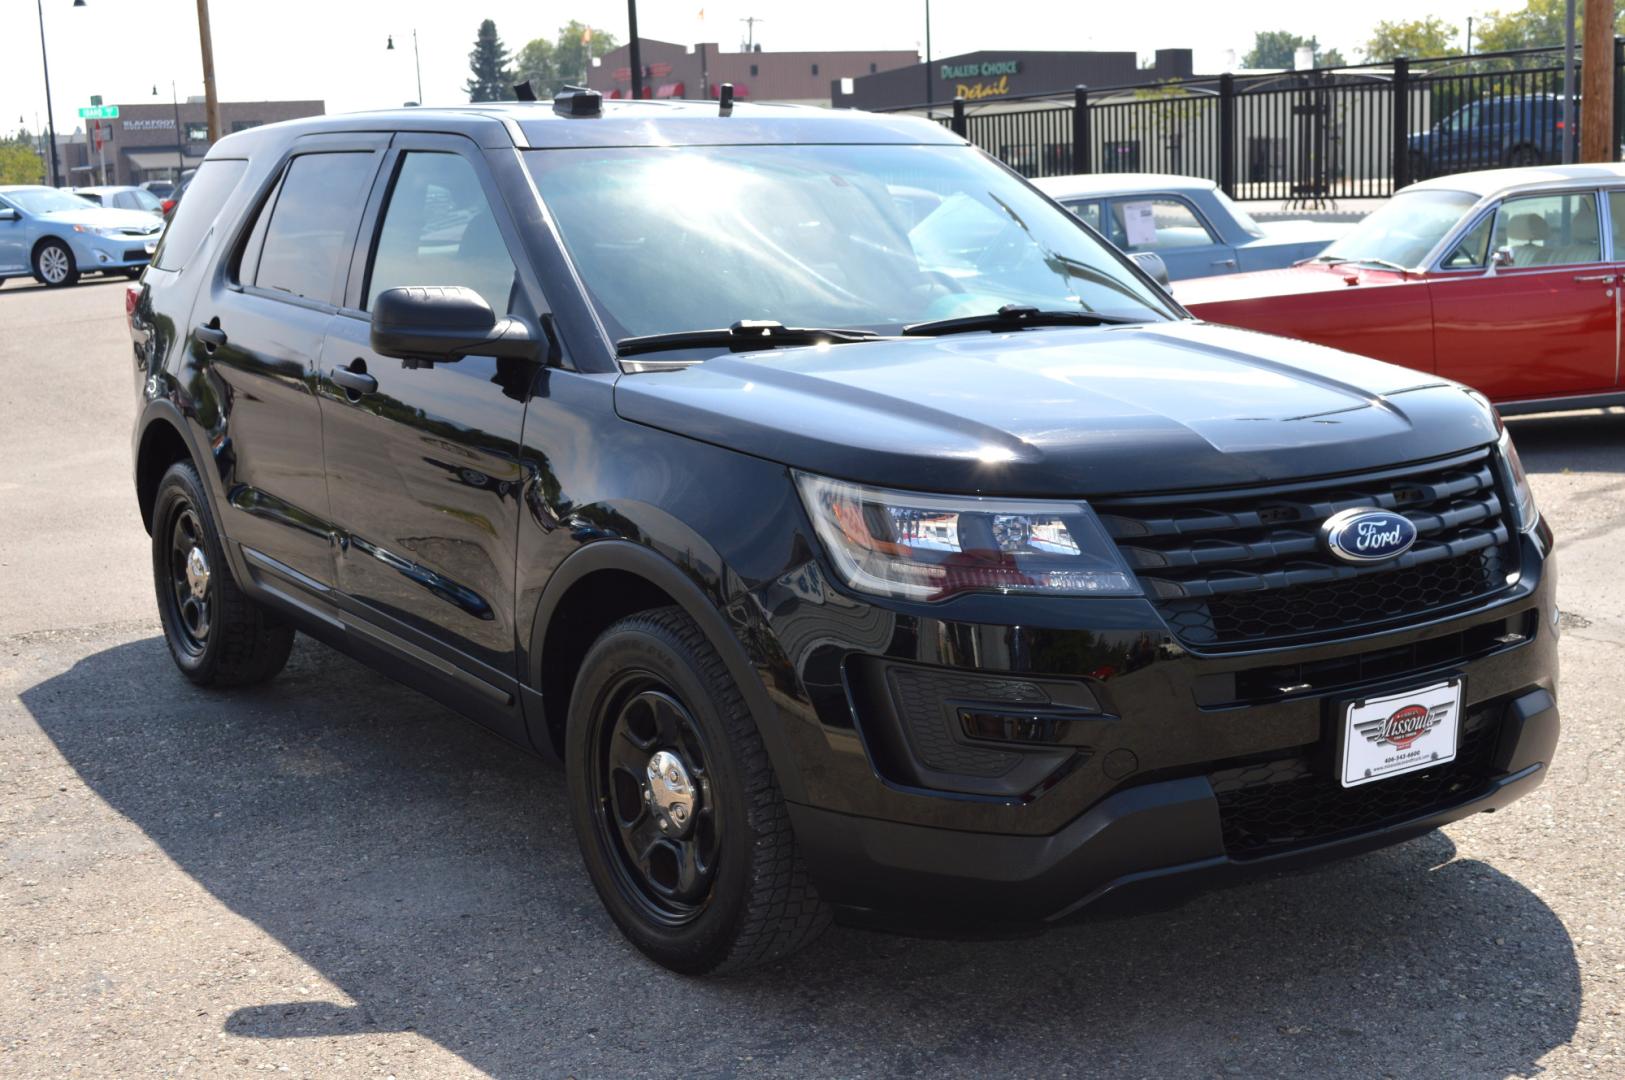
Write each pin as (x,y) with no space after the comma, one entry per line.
(45,200)
(1403,230)
(146,200)
(1243,218)
(851,237)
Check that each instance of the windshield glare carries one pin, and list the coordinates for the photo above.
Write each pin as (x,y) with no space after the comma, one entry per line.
(1403,230)
(47,200)
(858,237)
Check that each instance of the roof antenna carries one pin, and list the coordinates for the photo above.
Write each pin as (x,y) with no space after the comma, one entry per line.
(524,91)
(725,98)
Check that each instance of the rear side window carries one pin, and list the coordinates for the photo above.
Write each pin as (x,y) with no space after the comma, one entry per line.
(313,222)
(216,179)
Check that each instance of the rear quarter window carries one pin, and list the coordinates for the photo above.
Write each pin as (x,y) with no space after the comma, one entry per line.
(214,182)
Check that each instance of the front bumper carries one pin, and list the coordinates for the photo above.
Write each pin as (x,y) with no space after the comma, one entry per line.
(1143,845)
(1163,794)
(93,252)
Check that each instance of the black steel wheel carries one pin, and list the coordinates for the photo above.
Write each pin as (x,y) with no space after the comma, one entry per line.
(681,824)
(216,634)
(655,801)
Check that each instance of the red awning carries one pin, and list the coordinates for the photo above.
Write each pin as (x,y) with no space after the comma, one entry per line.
(670,90)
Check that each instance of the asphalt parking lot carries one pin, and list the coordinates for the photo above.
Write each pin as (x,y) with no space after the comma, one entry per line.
(334,876)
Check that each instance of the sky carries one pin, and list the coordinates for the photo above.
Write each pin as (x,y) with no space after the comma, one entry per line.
(334,49)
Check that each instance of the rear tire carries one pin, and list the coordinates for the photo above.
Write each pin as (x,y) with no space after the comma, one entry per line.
(721,887)
(216,634)
(54,265)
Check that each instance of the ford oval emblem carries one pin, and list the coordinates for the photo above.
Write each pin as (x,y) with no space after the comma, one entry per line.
(1367,536)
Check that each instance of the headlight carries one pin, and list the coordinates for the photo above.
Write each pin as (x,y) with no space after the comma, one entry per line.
(930,547)
(112,233)
(1523,497)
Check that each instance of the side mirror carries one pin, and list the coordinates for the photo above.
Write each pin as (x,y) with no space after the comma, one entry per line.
(1501,257)
(8,214)
(446,322)
(1152,264)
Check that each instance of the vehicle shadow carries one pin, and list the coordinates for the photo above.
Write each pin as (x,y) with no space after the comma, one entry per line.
(1592,441)
(430,873)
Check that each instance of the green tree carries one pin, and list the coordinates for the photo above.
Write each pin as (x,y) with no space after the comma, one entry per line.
(19,162)
(1278,49)
(1412,38)
(535,63)
(1538,26)
(492,80)
(551,64)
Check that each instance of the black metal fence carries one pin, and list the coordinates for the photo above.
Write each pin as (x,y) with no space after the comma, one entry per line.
(1347,132)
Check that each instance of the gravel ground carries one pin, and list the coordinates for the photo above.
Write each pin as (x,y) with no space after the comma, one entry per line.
(336,877)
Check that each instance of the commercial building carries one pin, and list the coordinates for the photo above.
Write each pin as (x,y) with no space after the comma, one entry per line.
(696,71)
(989,77)
(153,140)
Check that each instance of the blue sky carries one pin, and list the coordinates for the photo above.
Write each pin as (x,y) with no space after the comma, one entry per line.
(334,49)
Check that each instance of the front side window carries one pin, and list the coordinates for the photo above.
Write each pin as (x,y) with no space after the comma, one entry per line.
(312,226)
(858,237)
(1550,230)
(438,229)
(1088,212)
(1473,250)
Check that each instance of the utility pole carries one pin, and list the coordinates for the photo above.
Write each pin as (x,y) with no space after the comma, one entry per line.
(637,53)
(1568,83)
(210,97)
(1597,83)
(417,63)
(1469,35)
(928,56)
(750,22)
(180,135)
(50,120)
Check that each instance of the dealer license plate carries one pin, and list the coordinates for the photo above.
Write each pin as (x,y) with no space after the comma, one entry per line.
(1401,733)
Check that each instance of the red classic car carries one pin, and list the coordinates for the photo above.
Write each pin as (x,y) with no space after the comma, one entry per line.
(1509,280)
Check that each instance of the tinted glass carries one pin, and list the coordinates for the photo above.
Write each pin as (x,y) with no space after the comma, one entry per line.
(313,223)
(214,181)
(137,199)
(870,237)
(1549,230)
(1088,211)
(439,230)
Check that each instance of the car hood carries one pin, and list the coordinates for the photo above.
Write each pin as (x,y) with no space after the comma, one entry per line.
(1064,412)
(104,217)
(1287,281)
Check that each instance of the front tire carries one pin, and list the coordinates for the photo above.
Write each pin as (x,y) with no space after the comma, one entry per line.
(54,265)
(679,817)
(216,634)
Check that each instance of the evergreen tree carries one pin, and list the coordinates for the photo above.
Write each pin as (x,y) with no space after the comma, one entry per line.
(492,80)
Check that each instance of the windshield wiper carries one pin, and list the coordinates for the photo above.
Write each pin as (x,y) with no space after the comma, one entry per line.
(746,335)
(1338,260)
(1015,317)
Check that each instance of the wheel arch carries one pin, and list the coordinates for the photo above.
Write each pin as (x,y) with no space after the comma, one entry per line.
(603,582)
(163,441)
(33,252)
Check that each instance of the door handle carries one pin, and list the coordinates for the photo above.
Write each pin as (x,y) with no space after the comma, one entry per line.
(212,337)
(1224,262)
(1609,278)
(356,382)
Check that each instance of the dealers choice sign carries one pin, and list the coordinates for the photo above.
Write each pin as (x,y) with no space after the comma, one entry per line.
(992,78)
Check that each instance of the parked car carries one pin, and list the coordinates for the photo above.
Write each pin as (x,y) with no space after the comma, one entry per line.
(1515,130)
(161,188)
(175,197)
(915,567)
(56,235)
(123,198)
(1196,228)
(1506,280)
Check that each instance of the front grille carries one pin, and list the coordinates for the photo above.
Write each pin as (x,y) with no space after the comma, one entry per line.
(1275,806)
(1246,567)
(134,254)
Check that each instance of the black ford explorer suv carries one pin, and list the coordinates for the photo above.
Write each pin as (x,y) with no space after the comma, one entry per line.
(864,533)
